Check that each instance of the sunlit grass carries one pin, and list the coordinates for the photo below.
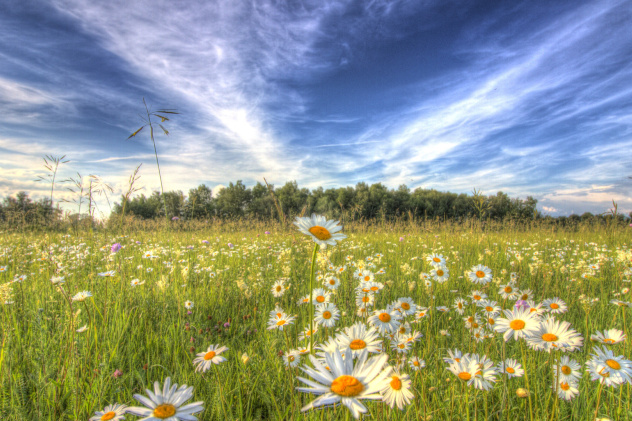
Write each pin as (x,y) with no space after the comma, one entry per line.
(51,371)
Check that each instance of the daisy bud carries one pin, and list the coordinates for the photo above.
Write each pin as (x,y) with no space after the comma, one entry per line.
(245,358)
(522,393)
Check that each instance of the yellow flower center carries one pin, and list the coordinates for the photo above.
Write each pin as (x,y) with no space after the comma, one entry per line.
(477,297)
(290,358)
(401,346)
(436,259)
(475,325)
(613,364)
(439,272)
(366,299)
(347,386)
(108,416)
(608,341)
(209,355)
(491,321)
(533,310)
(517,324)
(319,232)
(464,375)
(510,370)
(332,282)
(326,315)
(508,289)
(396,383)
(460,305)
(489,309)
(374,288)
(416,363)
(357,344)
(402,329)
(384,317)
(279,288)
(281,322)
(320,299)
(163,411)
(480,274)
(549,337)
(524,297)
(566,370)
(564,386)
(405,306)
(367,278)
(555,306)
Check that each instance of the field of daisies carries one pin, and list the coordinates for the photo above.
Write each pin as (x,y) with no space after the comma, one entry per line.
(316,321)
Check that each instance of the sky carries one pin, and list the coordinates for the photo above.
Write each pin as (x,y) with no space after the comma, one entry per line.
(532,98)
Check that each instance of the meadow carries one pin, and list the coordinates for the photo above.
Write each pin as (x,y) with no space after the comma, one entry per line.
(91,319)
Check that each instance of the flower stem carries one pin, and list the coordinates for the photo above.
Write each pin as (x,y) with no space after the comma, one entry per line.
(311,303)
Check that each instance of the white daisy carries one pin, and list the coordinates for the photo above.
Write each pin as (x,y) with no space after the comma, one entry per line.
(324,232)
(397,391)
(114,412)
(326,315)
(359,337)
(166,403)
(205,360)
(345,382)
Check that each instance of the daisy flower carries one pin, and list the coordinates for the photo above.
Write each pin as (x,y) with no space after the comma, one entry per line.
(455,356)
(440,274)
(569,370)
(485,374)
(459,305)
(416,363)
(422,312)
(464,369)
(331,282)
(615,369)
(320,296)
(166,403)
(365,275)
(365,299)
(517,323)
(188,305)
(436,259)
(385,321)
(397,391)
(81,296)
(489,307)
(526,294)
(278,289)
(324,232)
(204,360)
(280,322)
(114,412)
(555,305)
(345,382)
(511,368)
(478,296)
(480,274)
(136,282)
(359,337)
(609,337)
(508,292)
(292,358)
(401,345)
(406,306)
(566,389)
(551,335)
(326,315)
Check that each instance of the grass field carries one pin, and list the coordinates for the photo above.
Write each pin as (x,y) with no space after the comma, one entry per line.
(66,356)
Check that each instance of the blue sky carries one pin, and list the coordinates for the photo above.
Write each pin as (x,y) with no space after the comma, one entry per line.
(527,97)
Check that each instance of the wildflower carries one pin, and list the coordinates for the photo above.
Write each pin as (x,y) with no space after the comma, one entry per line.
(359,337)
(326,315)
(480,274)
(166,403)
(81,296)
(188,305)
(108,274)
(136,282)
(609,369)
(116,247)
(440,274)
(292,358)
(609,337)
(324,232)
(566,389)
(320,296)
(518,324)
(385,321)
(117,373)
(212,355)
(416,363)
(57,280)
(279,323)
(397,391)
(245,358)
(555,305)
(436,259)
(552,334)
(114,412)
(82,329)
(511,368)
(569,370)
(278,289)
(345,382)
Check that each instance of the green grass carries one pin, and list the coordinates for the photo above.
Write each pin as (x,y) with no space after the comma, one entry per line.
(49,371)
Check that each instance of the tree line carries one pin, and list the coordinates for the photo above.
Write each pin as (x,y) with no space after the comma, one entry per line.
(363,202)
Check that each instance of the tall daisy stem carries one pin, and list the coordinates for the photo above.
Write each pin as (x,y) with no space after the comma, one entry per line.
(598,399)
(312,274)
